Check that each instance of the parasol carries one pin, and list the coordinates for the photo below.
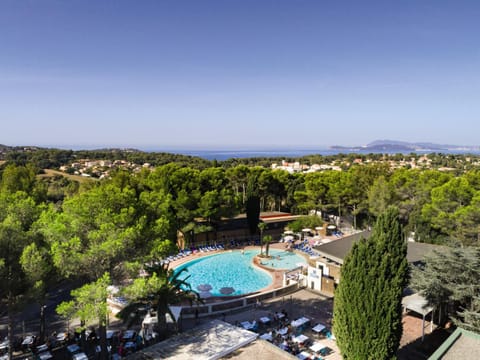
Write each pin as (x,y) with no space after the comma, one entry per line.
(204,287)
(227,290)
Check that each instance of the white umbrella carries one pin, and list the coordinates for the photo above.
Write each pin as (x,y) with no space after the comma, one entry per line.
(288,238)
(288,232)
(306,230)
(113,290)
(204,287)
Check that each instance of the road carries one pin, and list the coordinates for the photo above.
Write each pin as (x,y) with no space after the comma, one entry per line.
(28,320)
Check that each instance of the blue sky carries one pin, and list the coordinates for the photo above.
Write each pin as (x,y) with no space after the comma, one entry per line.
(238,73)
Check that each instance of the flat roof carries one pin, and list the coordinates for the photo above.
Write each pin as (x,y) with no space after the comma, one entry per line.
(260,349)
(280,218)
(462,344)
(209,341)
(266,217)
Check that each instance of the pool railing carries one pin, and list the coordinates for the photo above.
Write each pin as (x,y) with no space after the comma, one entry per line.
(218,308)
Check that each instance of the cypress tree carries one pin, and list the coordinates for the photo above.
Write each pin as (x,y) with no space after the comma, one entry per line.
(367,312)
(252,205)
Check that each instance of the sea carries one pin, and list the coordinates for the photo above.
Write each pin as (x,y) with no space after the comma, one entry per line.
(222,155)
(274,152)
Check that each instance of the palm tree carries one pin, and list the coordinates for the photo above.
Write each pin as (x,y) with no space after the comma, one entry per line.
(261,226)
(159,289)
(267,239)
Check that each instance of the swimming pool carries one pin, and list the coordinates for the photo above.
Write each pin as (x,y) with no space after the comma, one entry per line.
(234,269)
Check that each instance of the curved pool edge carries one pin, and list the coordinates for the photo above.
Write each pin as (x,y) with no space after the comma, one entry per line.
(274,283)
(219,305)
(275,274)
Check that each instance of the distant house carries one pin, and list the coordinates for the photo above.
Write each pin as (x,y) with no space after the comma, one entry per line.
(325,275)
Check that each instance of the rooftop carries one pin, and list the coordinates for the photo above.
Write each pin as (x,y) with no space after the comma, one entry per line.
(462,344)
(338,249)
(213,340)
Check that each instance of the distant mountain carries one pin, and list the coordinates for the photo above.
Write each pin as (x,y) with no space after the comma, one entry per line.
(403,146)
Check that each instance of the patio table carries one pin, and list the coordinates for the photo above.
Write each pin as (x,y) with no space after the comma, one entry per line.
(300,322)
(46,355)
(265,320)
(266,336)
(128,335)
(80,356)
(4,344)
(318,328)
(304,355)
(300,339)
(73,348)
(247,325)
(317,346)
(61,336)
(130,345)
(42,348)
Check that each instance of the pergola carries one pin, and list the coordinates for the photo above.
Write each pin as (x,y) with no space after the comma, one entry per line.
(418,304)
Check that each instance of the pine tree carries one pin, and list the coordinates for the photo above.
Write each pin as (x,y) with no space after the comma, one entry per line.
(450,281)
(368,313)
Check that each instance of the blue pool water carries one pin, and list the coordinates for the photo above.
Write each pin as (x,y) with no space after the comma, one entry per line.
(235,270)
(283,260)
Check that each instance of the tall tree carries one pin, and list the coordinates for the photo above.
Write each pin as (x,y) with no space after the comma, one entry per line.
(261,227)
(17,214)
(18,178)
(450,281)
(252,206)
(267,239)
(446,201)
(367,311)
(160,288)
(89,304)
(97,230)
(238,178)
(379,196)
(36,265)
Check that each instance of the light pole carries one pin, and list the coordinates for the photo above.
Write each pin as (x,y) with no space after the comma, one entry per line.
(42,321)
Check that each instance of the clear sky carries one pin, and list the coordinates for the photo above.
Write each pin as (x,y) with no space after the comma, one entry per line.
(238,73)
